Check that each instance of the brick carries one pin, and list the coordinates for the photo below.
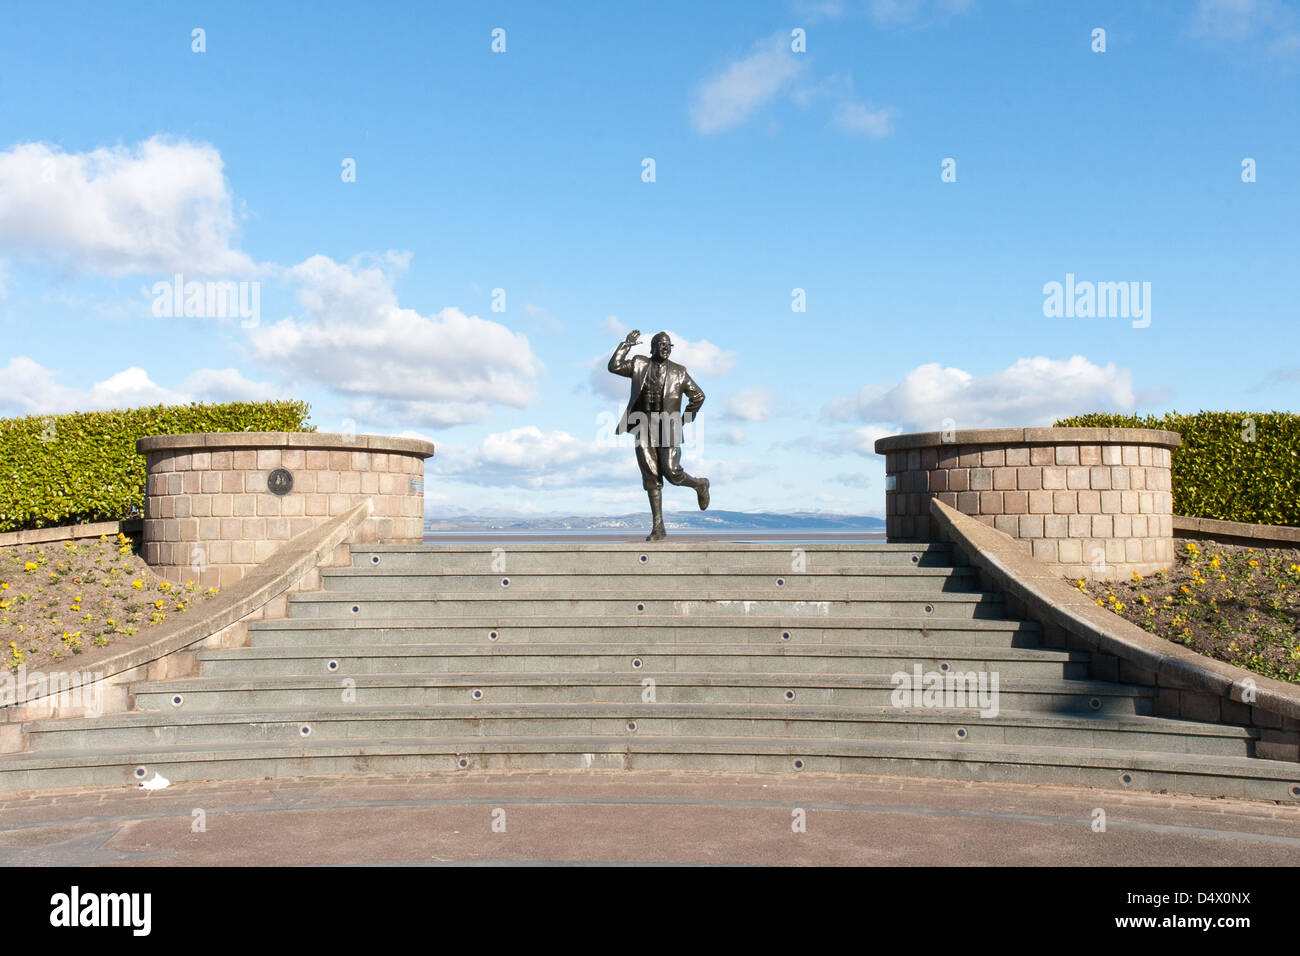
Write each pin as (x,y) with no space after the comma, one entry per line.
(1099,478)
(327,482)
(1110,502)
(245,506)
(981,479)
(1119,478)
(1044,549)
(342,460)
(1137,479)
(1132,550)
(1004,479)
(1053,478)
(1065,502)
(1040,502)
(1144,455)
(1007,524)
(1029,479)
(361,460)
(1103,526)
(1110,454)
(968,502)
(1080,526)
(1076,477)
(1067,454)
(1031,526)
(1017,457)
(1015,502)
(993,457)
(1056,526)
(1146,503)
(370,482)
(317,459)
(1139,523)
(232,482)
(1089,455)
(1128,501)
(1069,550)
(1123,523)
(948,458)
(1090,502)
(990,502)
(223,505)
(245,460)
(970,457)
(1129,455)
(350,482)
(1042,455)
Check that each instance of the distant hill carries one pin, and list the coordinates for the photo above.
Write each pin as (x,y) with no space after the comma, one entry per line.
(673,520)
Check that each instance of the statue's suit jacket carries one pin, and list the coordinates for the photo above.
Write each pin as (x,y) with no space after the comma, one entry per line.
(677,382)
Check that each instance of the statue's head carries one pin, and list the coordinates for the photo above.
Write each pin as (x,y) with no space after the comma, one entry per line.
(661,345)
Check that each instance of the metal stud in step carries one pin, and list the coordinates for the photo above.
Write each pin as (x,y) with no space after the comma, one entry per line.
(961,733)
(1095,703)
(374,559)
(789,695)
(332,666)
(798,764)
(305,730)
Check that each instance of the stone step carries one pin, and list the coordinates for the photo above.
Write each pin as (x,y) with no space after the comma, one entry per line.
(733,603)
(652,660)
(1136,770)
(823,585)
(342,632)
(426,690)
(525,557)
(141,731)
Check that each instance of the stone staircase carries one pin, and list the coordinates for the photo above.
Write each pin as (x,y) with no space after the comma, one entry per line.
(681,655)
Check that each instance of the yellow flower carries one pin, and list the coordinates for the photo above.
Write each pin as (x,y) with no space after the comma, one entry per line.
(4,586)
(1254,564)
(137,584)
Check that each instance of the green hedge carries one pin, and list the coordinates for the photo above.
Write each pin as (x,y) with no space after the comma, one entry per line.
(1223,471)
(66,469)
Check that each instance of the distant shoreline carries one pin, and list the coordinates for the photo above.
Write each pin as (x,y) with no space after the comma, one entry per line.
(621,534)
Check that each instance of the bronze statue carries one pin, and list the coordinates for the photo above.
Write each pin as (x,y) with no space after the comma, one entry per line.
(655,417)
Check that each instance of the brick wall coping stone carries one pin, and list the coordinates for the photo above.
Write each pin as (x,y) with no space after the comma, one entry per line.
(1031,436)
(305,440)
(70,532)
(272,577)
(1238,532)
(1048,597)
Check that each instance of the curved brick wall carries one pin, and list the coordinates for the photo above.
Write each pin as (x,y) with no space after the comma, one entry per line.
(1093,502)
(209,491)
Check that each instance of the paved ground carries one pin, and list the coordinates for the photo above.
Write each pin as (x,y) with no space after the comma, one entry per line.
(643,817)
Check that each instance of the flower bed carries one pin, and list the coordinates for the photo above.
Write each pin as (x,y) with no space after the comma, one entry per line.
(86,599)
(1235,604)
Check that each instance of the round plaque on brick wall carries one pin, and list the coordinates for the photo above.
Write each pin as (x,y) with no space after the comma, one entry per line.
(279,482)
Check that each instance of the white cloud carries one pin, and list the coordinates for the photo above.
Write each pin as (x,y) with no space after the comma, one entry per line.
(1242,20)
(861,119)
(702,359)
(28,388)
(863,440)
(610,325)
(228,385)
(1032,392)
(163,207)
(529,458)
(442,369)
(750,405)
(731,97)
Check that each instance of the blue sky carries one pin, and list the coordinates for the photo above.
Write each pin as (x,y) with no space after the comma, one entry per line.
(126,157)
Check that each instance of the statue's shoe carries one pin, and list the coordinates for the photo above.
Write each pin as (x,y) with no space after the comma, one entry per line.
(702,492)
(657,533)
